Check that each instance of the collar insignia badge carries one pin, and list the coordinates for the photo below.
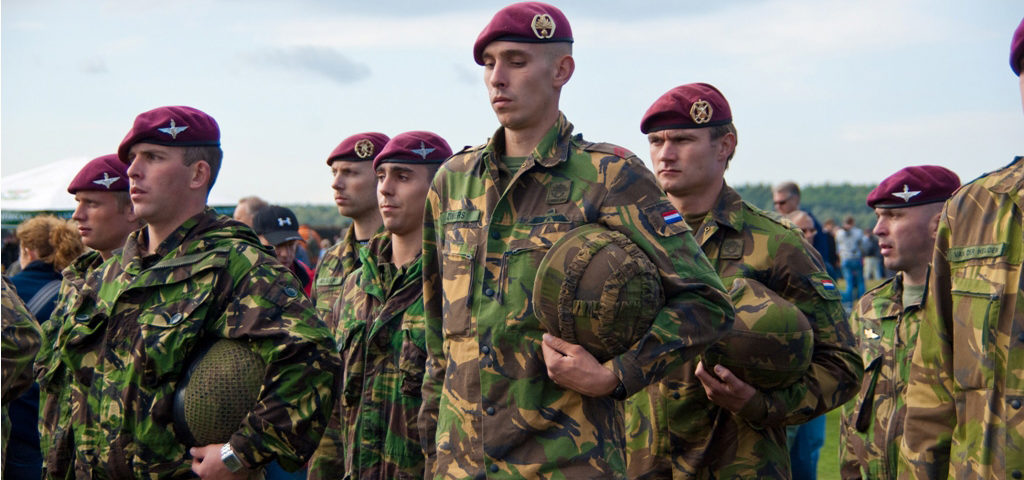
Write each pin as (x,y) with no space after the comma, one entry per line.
(173,130)
(906,194)
(543,26)
(701,112)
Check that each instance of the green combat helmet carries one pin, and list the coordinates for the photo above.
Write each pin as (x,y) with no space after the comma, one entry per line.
(220,388)
(771,342)
(597,289)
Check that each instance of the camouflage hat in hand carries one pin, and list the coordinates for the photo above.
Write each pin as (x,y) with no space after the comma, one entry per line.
(771,342)
(597,289)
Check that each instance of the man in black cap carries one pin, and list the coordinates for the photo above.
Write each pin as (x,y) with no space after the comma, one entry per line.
(278,228)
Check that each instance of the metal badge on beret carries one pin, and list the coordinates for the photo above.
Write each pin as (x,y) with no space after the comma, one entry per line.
(364,148)
(543,26)
(597,289)
(771,342)
(701,112)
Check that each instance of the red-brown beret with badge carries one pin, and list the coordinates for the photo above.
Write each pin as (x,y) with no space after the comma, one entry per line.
(694,105)
(104,174)
(526,22)
(171,126)
(911,186)
(416,147)
(361,147)
(1017,48)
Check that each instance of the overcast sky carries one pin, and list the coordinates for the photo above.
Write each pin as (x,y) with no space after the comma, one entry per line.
(821,90)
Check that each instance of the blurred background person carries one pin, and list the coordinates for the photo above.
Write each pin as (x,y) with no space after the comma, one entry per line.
(48,245)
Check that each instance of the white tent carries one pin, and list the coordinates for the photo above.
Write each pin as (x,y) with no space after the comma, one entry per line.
(45,189)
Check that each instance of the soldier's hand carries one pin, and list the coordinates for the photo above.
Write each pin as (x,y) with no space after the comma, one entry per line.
(573,367)
(727,390)
(206,463)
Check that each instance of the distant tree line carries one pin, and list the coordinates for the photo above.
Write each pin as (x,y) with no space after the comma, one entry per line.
(824,201)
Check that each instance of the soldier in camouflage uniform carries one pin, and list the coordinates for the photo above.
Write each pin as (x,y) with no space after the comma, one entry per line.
(886,318)
(22,337)
(693,425)
(381,320)
(966,391)
(190,277)
(105,219)
(351,164)
(501,397)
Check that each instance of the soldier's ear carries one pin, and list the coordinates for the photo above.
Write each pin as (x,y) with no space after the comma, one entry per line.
(200,175)
(564,66)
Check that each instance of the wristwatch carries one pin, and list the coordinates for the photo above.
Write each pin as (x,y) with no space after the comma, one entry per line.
(227,455)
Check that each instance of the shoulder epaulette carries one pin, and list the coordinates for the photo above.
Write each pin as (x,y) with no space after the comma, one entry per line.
(606,148)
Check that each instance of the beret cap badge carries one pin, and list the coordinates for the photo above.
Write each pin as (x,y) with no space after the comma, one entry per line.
(173,130)
(364,148)
(701,112)
(543,26)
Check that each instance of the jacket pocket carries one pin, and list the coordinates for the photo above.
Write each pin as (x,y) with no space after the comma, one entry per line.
(976,305)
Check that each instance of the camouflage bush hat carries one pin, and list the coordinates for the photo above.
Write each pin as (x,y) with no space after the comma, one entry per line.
(597,289)
(917,185)
(526,22)
(771,342)
(104,174)
(173,127)
(361,147)
(219,389)
(416,147)
(694,105)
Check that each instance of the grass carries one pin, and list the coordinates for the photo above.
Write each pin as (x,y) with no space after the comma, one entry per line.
(828,463)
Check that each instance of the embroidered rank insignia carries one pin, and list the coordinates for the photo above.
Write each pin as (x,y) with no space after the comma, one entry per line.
(701,112)
(173,130)
(870,334)
(671,216)
(106,181)
(732,248)
(559,192)
(906,194)
(543,26)
(364,148)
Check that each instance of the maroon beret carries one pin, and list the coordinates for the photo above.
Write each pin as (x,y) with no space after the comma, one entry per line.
(526,22)
(171,126)
(359,147)
(1017,48)
(418,147)
(694,105)
(914,186)
(105,174)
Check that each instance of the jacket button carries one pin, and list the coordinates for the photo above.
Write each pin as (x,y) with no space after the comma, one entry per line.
(488,292)
(494,468)
(495,235)
(485,349)
(1021,337)
(175,318)
(490,410)
(1015,403)
(1016,474)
